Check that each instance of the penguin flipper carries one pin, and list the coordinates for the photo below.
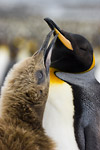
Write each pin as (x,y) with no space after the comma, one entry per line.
(78,78)
(92,137)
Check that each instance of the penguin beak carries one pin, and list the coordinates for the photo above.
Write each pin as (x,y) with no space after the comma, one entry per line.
(48,53)
(46,49)
(58,31)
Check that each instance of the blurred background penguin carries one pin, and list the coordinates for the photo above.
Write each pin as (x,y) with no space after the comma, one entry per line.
(15,51)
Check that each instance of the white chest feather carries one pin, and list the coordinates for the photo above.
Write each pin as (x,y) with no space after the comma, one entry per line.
(97,73)
(58,117)
(4,60)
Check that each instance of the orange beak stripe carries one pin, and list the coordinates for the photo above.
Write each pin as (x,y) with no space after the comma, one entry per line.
(66,42)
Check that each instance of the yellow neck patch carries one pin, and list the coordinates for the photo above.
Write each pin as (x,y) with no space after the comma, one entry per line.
(53,78)
(92,66)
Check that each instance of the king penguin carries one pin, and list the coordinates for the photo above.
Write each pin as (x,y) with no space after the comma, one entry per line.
(86,98)
(71,53)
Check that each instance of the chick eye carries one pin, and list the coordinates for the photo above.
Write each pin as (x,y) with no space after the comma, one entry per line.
(40,76)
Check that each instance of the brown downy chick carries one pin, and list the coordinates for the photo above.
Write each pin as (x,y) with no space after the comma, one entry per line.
(23,100)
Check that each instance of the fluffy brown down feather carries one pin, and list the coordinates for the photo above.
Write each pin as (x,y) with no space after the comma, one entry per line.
(22,101)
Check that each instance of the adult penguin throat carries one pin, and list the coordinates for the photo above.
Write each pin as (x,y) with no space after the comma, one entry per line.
(53,78)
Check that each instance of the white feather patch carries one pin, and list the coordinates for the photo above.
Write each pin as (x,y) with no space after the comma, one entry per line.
(4,60)
(97,73)
(58,116)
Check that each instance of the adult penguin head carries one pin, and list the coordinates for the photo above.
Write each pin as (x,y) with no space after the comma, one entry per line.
(72,52)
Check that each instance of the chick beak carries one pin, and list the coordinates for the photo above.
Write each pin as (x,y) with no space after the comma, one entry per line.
(58,31)
(46,50)
(48,53)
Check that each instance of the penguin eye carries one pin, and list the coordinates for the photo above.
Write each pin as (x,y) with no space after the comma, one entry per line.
(82,48)
(40,76)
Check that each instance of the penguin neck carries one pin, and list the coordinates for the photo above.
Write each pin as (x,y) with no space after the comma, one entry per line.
(19,111)
(53,78)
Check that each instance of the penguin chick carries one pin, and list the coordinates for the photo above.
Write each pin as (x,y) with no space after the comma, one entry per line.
(72,52)
(86,92)
(23,100)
